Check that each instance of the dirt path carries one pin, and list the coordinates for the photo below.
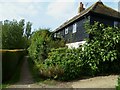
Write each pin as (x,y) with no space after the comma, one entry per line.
(26,77)
(26,81)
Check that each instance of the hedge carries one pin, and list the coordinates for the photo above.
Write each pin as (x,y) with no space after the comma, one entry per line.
(10,60)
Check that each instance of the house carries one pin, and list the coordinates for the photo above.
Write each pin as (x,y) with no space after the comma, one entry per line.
(73,30)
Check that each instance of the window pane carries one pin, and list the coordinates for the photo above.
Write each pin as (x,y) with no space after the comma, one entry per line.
(55,35)
(66,31)
(74,28)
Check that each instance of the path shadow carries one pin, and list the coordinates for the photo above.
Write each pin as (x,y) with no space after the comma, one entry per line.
(25,75)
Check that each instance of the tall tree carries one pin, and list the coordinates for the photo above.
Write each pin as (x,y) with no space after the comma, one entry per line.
(22,25)
(28,29)
(12,34)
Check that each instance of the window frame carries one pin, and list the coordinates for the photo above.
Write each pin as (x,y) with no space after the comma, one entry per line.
(55,35)
(66,30)
(74,28)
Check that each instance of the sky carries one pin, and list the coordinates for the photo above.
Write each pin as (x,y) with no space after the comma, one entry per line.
(45,13)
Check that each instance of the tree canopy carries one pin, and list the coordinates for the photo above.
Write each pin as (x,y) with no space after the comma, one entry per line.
(13,34)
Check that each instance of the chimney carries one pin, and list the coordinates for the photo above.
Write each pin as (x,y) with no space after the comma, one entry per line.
(99,1)
(81,8)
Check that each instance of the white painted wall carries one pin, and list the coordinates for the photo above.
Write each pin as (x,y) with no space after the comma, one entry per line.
(75,44)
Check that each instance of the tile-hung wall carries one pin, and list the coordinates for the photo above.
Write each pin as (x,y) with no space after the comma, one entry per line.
(74,32)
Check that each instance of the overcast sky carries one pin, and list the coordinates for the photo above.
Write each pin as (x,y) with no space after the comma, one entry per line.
(45,13)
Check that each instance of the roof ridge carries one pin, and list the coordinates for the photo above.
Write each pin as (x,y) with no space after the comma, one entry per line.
(110,8)
(79,15)
(95,8)
(94,5)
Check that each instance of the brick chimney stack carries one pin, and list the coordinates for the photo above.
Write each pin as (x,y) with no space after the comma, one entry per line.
(81,8)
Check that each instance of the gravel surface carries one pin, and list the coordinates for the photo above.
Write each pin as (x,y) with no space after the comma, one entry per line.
(97,82)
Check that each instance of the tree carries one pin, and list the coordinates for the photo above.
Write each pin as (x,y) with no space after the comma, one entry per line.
(12,34)
(22,25)
(41,43)
(28,29)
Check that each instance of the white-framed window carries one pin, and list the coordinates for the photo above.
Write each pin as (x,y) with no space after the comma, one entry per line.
(74,28)
(66,30)
(55,35)
(115,23)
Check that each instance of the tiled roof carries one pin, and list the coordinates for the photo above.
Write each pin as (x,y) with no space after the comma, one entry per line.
(98,7)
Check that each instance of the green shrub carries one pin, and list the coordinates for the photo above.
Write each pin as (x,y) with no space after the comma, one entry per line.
(13,34)
(118,86)
(102,48)
(100,54)
(10,60)
(34,70)
(42,41)
(62,63)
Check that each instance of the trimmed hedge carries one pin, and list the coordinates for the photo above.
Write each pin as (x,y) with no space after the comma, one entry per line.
(10,60)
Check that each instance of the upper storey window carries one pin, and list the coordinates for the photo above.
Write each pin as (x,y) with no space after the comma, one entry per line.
(66,31)
(74,28)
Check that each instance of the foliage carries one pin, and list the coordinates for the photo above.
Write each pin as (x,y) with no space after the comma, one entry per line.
(34,70)
(118,87)
(100,54)
(102,48)
(62,63)
(28,29)
(41,43)
(13,34)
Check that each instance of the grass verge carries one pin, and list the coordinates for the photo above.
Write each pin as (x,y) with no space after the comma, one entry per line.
(118,87)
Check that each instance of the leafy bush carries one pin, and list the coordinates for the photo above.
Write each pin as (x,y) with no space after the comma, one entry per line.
(13,36)
(118,87)
(100,54)
(102,48)
(41,43)
(34,70)
(62,64)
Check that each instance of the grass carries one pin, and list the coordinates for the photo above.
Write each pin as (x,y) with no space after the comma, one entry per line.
(16,77)
(50,82)
(118,87)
